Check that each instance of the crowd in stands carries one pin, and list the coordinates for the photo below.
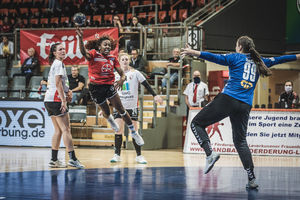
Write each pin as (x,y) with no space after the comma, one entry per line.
(58,13)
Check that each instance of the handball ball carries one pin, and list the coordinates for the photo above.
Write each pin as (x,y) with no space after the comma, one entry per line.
(79,19)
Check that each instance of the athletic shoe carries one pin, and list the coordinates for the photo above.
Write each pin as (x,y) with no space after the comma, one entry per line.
(75,163)
(210,161)
(138,139)
(113,124)
(252,184)
(57,164)
(116,158)
(141,160)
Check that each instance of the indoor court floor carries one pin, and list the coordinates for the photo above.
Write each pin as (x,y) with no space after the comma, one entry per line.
(169,174)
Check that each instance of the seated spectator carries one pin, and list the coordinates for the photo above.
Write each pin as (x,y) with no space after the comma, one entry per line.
(137,62)
(288,99)
(30,66)
(7,50)
(134,42)
(41,91)
(196,93)
(174,62)
(7,26)
(76,84)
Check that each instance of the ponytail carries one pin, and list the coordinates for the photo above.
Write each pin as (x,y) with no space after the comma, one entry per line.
(249,47)
(262,69)
(51,54)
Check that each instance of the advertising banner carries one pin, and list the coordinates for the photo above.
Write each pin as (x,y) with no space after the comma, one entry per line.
(25,123)
(41,41)
(268,133)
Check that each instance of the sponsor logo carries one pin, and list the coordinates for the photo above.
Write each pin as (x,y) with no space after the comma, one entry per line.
(22,122)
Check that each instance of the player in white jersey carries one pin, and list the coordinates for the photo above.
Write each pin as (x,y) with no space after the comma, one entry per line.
(56,98)
(129,98)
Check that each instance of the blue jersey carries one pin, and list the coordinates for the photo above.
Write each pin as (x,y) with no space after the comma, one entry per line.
(243,75)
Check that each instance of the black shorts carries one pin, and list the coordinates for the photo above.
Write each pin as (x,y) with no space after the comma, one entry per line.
(53,108)
(100,93)
(133,113)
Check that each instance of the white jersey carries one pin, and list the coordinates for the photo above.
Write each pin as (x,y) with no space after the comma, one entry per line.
(130,90)
(202,91)
(57,69)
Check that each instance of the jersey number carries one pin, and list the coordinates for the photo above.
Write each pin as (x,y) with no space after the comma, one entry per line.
(249,71)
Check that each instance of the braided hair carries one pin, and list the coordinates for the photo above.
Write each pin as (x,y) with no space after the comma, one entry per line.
(95,44)
(248,46)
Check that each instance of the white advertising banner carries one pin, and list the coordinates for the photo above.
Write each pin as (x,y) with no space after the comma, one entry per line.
(25,123)
(269,133)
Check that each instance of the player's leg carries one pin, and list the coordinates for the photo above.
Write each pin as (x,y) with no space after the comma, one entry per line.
(54,162)
(99,94)
(64,124)
(134,116)
(239,123)
(116,102)
(118,138)
(215,111)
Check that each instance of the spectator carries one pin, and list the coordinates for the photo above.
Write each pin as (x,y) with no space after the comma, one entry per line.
(174,62)
(19,23)
(196,93)
(76,82)
(6,50)
(30,66)
(289,98)
(137,62)
(134,42)
(117,23)
(40,94)
(7,26)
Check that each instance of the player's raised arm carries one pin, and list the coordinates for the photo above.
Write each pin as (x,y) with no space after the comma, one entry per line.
(83,50)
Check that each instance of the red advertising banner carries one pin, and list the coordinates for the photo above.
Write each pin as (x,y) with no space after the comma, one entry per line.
(41,41)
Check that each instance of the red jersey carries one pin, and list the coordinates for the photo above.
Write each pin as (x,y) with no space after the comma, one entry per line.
(101,68)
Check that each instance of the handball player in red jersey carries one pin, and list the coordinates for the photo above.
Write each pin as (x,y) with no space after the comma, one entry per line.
(101,76)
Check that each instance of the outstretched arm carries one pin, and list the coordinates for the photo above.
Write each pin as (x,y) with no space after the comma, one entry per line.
(83,51)
(157,98)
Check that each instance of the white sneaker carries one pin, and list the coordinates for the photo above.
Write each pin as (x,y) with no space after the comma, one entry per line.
(116,158)
(141,160)
(113,124)
(138,139)
(75,163)
(57,164)
(210,161)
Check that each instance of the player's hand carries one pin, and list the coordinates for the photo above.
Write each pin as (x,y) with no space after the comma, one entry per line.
(79,32)
(63,106)
(158,99)
(187,51)
(119,84)
(69,96)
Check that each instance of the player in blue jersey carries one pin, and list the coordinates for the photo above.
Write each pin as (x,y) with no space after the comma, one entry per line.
(235,101)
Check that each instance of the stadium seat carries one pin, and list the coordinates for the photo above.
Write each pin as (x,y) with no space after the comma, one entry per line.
(18,84)
(77,114)
(2,71)
(34,85)
(46,72)
(83,71)
(14,70)
(2,63)
(3,86)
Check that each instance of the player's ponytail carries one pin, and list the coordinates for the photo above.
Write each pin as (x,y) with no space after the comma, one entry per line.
(53,48)
(249,47)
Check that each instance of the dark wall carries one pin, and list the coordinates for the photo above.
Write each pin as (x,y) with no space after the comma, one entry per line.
(263,20)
